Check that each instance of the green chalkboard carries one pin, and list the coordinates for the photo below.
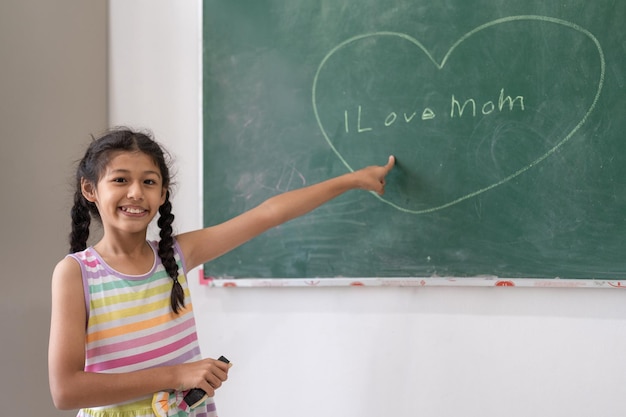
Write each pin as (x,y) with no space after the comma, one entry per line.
(508,120)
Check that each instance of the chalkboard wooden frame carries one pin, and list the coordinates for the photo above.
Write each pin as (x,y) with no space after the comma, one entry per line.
(530,224)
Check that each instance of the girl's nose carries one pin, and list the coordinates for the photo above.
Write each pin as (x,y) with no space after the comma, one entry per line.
(135,191)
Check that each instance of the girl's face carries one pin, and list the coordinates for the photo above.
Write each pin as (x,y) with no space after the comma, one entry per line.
(129,192)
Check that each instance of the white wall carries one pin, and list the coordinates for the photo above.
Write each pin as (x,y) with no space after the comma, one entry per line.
(366,352)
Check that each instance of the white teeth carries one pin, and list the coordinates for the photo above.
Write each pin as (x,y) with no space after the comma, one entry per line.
(133,210)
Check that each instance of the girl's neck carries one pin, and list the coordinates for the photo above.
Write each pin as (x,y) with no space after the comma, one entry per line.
(130,257)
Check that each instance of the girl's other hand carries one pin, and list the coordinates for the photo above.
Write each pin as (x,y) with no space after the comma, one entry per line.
(206,374)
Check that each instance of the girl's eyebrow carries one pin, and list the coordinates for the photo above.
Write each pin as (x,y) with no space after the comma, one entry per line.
(127,171)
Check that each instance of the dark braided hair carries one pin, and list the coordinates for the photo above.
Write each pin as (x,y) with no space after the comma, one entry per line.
(91,167)
(166,251)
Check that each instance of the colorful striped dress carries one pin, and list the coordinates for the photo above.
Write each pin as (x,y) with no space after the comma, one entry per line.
(131,326)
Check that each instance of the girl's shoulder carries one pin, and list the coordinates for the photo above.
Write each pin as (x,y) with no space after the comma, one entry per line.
(87,260)
(81,256)
(69,265)
(67,275)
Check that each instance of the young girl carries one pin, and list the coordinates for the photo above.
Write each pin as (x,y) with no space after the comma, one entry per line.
(122,337)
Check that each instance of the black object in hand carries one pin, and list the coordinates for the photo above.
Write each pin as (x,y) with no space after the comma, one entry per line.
(196,396)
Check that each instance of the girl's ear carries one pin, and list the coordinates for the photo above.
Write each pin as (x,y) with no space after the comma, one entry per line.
(163,195)
(88,190)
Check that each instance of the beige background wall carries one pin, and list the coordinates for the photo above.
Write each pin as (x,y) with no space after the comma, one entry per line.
(53,94)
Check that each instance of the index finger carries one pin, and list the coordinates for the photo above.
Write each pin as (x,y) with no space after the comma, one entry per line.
(223,363)
(390,163)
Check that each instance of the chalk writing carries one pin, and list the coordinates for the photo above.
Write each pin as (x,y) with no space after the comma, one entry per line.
(487,108)
(457,109)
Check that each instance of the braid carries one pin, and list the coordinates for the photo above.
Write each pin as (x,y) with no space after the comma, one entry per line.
(80,223)
(166,252)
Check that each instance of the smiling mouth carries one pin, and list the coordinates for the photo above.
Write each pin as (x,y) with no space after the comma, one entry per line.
(132,210)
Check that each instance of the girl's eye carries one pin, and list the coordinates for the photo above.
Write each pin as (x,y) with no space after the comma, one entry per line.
(120,180)
(150,182)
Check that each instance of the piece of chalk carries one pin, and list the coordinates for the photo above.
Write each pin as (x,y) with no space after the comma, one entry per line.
(196,396)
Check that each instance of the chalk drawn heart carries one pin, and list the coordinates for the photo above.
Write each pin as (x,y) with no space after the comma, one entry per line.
(501,101)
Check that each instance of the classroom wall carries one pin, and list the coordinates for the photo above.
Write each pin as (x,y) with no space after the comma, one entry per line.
(297,351)
(53,94)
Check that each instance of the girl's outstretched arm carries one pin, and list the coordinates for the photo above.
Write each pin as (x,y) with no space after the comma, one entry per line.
(203,245)
(71,387)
